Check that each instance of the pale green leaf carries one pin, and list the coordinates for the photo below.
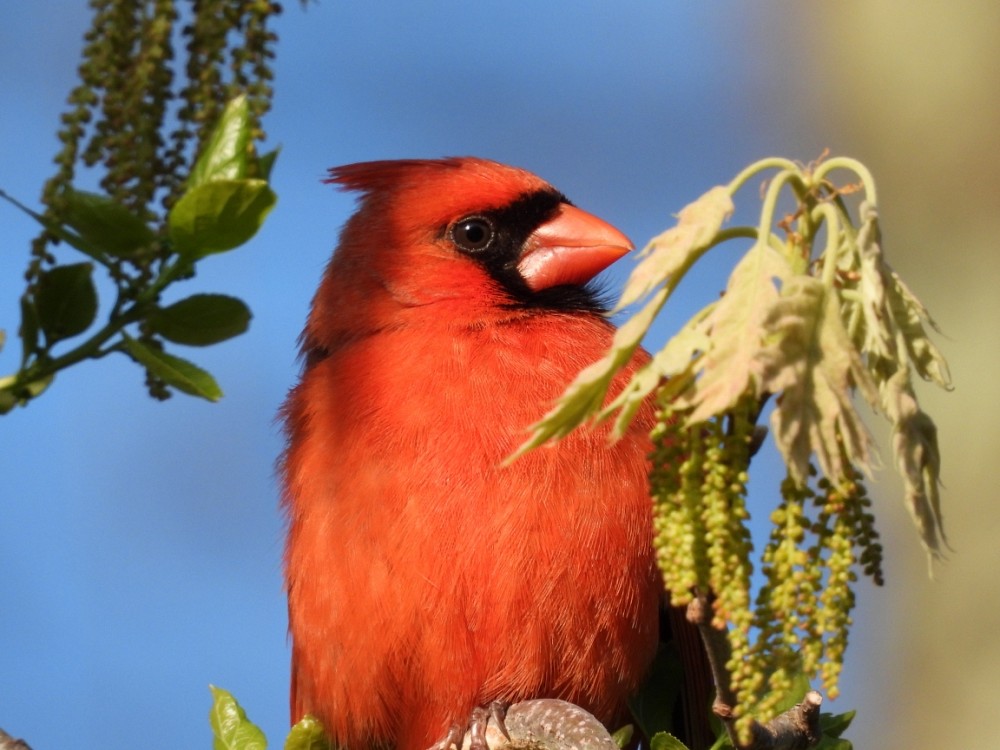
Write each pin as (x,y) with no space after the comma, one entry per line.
(586,394)
(915,448)
(265,163)
(664,261)
(677,361)
(893,314)
(676,249)
(909,314)
(877,334)
(224,156)
(308,734)
(736,330)
(231,728)
(812,363)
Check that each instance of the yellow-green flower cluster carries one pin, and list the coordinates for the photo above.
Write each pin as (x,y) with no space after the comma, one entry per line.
(820,533)
(803,608)
(702,541)
(120,110)
(127,118)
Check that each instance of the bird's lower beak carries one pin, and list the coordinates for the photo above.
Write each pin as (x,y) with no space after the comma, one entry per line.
(570,248)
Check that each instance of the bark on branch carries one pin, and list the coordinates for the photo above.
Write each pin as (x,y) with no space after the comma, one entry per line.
(795,729)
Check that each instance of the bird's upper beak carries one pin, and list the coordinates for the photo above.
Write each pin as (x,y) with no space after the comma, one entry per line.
(571,248)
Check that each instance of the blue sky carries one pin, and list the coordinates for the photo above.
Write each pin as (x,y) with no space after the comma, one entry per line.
(142,541)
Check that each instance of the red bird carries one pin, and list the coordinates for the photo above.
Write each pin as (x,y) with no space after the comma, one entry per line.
(426,579)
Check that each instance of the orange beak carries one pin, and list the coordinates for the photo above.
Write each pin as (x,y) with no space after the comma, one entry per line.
(570,248)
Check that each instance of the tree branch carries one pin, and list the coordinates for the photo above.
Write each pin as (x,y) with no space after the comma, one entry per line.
(795,729)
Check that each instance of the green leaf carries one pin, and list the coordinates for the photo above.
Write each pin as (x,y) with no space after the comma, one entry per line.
(623,736)
(224,156)
(891,309)
(308,734)
(811,361)
(673,251)
(70,238)
(918,459)
(664,741)
(265,163)
(664,262)
(7,400)
(218,216)
(834,725)
(231,728)
(106,224)
(735,328)
(908,312)
(174,371)
(66,301)
(201,319)
(833,743)
(29,328)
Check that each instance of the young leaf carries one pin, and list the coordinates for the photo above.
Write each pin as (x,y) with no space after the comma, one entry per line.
(908,313)
(174,371)
(7,399)
(669,253)
(201,319)
(664,741)
(58,230)
(265,163)
(664,261)
(834,725)
(736,330)
(308,734)
(585,395)
(231,729)
(811,361)
(105,224)
(225,154)
(915,448)
(66,301)
(678,360)
(622,737)
(29,327)
(834,743)
(218,216)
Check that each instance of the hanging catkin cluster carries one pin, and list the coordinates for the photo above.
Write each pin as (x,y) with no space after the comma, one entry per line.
(133,118)
(140,117)
(812,320)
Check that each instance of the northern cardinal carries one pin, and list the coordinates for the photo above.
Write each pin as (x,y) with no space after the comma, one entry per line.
(427,579)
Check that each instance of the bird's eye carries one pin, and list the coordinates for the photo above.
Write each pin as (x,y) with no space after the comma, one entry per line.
(472,234)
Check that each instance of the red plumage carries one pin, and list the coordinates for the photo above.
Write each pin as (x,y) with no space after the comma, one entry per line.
(424,576)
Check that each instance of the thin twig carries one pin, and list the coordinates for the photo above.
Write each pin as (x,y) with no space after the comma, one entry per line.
(795,729)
